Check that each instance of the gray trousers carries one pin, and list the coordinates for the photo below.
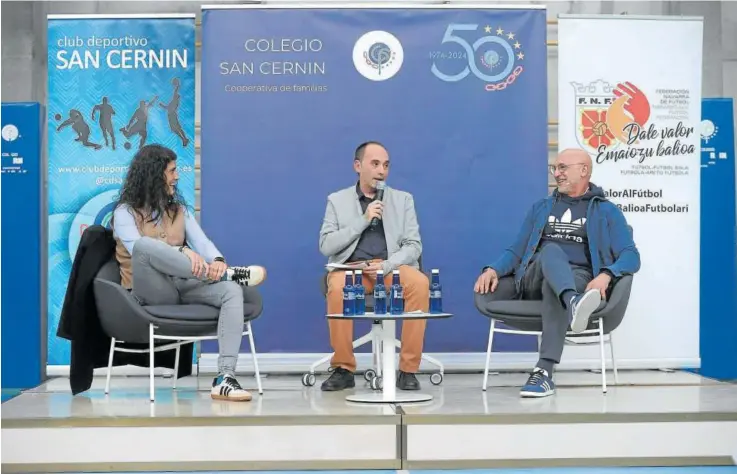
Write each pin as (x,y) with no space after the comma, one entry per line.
(547,278)
(163,276)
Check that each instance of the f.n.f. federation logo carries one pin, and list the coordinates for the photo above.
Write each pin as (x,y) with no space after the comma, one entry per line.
(606,114)
(493,55)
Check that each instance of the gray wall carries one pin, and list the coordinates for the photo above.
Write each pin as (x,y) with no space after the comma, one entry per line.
(24,40)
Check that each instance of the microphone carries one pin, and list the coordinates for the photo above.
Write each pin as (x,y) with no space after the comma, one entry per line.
(379,197)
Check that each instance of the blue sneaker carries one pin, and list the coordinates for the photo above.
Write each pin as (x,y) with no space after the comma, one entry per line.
(539,385)
(580,309)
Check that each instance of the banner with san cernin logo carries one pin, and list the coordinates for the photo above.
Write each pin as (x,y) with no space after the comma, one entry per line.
(634,104)
(457,95)
(115,84)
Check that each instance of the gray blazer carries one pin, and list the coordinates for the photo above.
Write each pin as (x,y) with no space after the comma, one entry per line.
(344,222)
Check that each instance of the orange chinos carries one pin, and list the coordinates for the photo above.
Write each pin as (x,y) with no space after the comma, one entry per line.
(416,297)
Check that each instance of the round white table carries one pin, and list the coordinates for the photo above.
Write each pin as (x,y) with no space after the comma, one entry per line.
(388,392)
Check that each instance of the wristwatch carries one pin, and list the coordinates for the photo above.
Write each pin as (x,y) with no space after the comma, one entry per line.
(218,259)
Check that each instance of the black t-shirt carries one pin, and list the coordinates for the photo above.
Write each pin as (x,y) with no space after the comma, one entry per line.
(567,227)
(372,243)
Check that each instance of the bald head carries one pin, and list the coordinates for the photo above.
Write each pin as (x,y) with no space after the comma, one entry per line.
(572,171)
(371,162)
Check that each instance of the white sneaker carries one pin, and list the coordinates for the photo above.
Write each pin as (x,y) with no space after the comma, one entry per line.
(247,276)
(226,387)
(581,308)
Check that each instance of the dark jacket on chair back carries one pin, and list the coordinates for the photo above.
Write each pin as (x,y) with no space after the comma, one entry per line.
(79,321)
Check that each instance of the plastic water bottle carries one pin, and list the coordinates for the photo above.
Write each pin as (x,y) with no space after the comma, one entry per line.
(360,291)
(436,293)
(397,301)
(349,297)
(379,293)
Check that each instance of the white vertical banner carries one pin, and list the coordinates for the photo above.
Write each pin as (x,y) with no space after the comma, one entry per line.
(629,90)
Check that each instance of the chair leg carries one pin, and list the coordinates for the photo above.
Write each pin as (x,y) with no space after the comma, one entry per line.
(488,355)
(151,361)
(255,359)
(423,356)
(376,351)
(198,351)
(435,362)
(614,359)
(603,358)
(109,365)
(176,367)
(365,339)
(320,362)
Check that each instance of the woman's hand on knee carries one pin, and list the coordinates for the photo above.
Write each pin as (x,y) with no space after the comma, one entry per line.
(200,268)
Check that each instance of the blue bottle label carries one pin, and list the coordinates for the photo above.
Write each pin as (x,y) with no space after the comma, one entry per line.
(399,293)
(435,294)
(380,294)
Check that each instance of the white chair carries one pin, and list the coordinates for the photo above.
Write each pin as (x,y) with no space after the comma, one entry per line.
(126,321)
(523,317)
(372,374)
(178,342)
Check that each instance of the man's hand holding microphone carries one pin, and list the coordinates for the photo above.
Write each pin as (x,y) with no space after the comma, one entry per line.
(375,210)
(374,213)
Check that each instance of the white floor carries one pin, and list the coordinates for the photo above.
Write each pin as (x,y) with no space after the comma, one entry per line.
(650,418)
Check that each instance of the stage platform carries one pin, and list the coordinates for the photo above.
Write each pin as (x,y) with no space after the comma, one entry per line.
(651,418)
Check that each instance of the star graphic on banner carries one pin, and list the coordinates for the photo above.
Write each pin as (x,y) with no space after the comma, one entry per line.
(517,45)
(487,29)
(510,36)
(521,55)
(500,31)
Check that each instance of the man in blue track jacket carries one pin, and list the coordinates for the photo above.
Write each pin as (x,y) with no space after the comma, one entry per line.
(572,246)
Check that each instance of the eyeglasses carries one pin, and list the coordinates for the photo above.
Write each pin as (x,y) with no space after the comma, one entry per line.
(562,168)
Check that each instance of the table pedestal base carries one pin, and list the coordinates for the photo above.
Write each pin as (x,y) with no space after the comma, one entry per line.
(387,333)
(381,398)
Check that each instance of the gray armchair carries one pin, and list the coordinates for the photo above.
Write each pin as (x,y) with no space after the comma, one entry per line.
(525,318)
(126,321)
(372,374)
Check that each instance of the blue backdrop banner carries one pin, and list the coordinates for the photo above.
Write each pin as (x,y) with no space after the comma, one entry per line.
(459,98)
(718,325)
(21,241)
(115,84)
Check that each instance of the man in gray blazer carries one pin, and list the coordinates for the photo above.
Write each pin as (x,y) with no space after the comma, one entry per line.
(347,236)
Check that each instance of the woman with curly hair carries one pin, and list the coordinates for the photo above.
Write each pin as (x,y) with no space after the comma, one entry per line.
(165,258)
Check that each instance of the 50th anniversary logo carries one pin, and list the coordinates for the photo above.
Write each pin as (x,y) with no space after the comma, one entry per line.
(495,57)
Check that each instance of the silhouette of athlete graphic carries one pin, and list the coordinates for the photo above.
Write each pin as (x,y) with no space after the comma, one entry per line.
(172,113)
(80,127)
(140,117)
(106,120)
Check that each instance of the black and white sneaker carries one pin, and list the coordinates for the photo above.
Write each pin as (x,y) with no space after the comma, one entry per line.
(580,309)
(247,276)
(226,387)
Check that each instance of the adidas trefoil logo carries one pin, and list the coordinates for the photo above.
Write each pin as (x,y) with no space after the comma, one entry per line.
(565,225)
